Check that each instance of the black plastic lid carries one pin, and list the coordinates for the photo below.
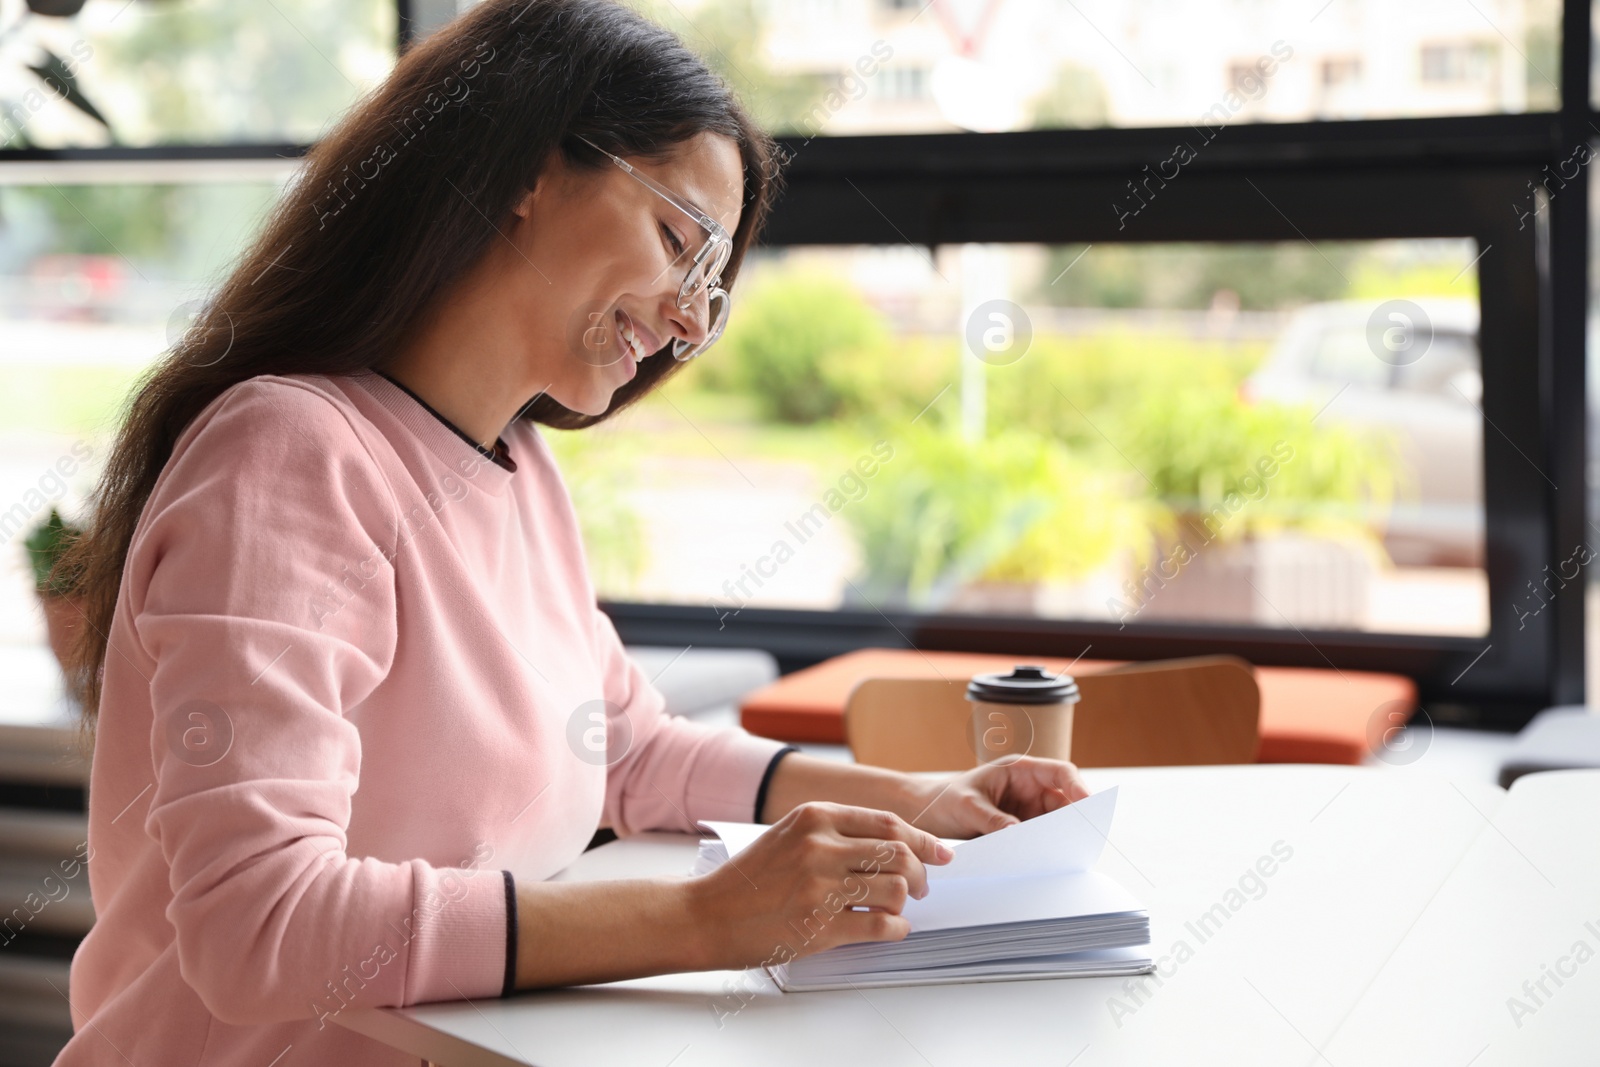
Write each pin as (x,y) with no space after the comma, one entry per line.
(1024,685)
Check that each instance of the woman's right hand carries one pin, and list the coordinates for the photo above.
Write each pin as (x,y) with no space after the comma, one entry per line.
(795,890)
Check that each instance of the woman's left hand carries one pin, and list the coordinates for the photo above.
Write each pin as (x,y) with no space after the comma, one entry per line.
(993,796)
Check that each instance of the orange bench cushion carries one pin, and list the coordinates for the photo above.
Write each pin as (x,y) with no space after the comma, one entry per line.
(1307,715)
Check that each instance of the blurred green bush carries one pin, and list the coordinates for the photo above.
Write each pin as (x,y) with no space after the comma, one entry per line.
(1016,507)
(597,468)
(1097,446)
(1272,467)
(1078,389)
(808,348)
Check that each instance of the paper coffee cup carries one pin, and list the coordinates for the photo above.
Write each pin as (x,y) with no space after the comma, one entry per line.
(1027,712)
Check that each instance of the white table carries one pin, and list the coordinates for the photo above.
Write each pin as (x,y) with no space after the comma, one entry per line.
(1355,950)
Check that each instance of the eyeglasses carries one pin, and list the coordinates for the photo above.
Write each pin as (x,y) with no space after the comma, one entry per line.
(705,271)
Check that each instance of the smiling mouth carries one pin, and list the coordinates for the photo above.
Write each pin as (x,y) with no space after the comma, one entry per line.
(635,344)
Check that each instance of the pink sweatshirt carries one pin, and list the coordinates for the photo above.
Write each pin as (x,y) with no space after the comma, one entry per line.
(356,672)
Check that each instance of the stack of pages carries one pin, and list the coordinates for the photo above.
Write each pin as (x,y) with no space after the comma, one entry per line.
(1018,903)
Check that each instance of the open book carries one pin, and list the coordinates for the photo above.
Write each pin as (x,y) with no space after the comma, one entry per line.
(1022,902)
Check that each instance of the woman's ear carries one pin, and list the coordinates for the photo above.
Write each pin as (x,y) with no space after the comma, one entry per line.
(524,206)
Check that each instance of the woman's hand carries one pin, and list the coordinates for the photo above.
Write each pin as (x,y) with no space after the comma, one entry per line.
(793,892)
(962,804)
(994,796)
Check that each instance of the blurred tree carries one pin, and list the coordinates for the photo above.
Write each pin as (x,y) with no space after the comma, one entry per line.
(728,36)
(1265,277)
(135,221)
(212,71)
(804,345)
(1074,99)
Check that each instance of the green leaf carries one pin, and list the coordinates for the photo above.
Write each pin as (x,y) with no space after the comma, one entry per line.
(45,544)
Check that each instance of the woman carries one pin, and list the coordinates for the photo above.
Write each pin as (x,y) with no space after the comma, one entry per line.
(348,668)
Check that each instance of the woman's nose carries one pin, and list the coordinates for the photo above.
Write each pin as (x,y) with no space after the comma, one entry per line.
(691,323)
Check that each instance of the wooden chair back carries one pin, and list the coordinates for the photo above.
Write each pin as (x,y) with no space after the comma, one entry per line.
(1163,713)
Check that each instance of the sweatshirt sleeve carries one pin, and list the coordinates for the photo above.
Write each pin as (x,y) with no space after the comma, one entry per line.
(261,584)
(670,772)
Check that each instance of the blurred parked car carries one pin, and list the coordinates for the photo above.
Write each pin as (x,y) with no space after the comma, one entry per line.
(1429,402)
(80,288)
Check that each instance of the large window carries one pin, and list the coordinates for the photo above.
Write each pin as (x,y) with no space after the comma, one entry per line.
(132,73)
(1270,434)
(1077,321)
(876,66)
(96,281)
(1127,328)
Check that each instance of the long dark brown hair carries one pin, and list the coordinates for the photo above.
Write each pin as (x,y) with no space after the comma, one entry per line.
(399,199)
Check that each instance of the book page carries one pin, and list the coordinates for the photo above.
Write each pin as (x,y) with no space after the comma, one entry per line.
(1064,841)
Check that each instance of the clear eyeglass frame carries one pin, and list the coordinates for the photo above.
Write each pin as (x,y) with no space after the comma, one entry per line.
(705,272)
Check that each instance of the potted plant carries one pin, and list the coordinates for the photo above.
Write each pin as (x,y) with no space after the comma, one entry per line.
(1010,524)
(63,612)
(1269,516)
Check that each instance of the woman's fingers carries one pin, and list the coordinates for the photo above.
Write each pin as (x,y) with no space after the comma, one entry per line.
(886,891)
(847,873)
(842,873)
(850,821)
(1059,774)
(869,843)
(1036,786)
(886,859)
(871,926)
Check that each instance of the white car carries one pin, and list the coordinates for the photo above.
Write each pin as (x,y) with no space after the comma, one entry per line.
(1382,366)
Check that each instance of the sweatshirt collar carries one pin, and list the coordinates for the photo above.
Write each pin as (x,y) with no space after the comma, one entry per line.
(441,437)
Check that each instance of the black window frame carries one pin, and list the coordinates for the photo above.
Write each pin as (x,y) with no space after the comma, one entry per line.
(1345,179)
